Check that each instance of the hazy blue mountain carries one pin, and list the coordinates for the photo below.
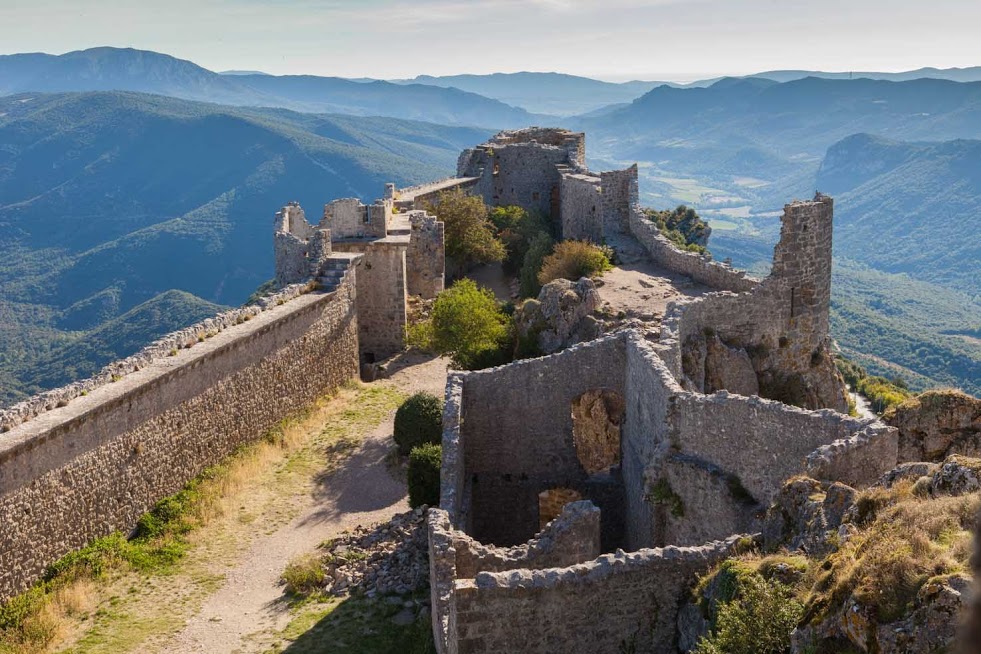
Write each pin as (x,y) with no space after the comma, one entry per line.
(548,93)
(121,69)
(413,101)
(789,123)
(108,200)
(124,69)
(971,74)
(918,203)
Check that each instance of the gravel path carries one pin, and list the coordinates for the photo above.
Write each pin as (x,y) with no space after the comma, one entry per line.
(243,614)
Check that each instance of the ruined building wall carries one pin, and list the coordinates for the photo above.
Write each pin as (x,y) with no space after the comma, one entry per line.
(555,610)
(290,234)
(348,218)
(699,267)
(425,258)
(96,465)
(521,174)
(621,194)
(776,333)
(382,298)
(516,434)
(646,436)
(582,207)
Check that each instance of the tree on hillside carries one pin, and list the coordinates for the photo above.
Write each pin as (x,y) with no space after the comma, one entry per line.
(470,236)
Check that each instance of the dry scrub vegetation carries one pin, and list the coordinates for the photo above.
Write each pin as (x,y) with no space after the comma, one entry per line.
(76,590)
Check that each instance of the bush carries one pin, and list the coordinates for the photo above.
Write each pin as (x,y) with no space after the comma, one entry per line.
(758,620)
(419,421)
(423,475)
(303,574)
(572,260)
(468,325)
(517,229)
(881,393)
(683,227)
(539,248)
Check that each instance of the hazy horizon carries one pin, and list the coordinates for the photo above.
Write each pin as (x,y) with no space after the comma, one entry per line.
(616,40)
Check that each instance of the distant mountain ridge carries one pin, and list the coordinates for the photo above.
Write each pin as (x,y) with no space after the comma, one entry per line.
(126,69)
(920,203)
(108,200)
(549,93)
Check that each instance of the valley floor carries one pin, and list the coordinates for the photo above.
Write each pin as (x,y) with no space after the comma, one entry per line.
(226,595)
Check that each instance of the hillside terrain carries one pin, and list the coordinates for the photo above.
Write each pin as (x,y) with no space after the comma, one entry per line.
(906,289)
(920,203)
(125,69)
(108,200)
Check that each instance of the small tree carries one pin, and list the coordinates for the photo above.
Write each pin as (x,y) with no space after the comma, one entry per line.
(539,248)
(423,475)
(517,228)
(468,325)
(572,260)
(418,421)
(470,236)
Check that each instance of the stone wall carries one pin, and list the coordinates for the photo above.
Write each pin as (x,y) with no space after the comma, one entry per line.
(349,218)
(621,194)
(382,297)
(645,437)
(95,465)
(290,234)
(777,331)
(582,207)
(760,441)
(615,603)
(517,439)
(520,174)
(699,267)
(425,259)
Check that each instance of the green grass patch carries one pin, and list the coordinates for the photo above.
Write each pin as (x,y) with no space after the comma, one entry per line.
(357,625)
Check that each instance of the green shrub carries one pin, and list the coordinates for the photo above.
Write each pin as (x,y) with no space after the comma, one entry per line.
(758,620)
(517,228)
(470,236)
(538,248)
(303,574)
(467,324)
(572,260)
(423,475)
(419,421)
(881,393)
(682,226)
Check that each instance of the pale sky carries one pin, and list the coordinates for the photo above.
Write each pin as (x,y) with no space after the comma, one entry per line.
(609,39)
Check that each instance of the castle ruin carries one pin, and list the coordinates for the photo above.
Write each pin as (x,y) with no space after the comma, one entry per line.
(548,520)
(582,492)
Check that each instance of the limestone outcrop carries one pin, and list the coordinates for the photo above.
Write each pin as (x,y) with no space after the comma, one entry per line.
(936,424)
(561,316)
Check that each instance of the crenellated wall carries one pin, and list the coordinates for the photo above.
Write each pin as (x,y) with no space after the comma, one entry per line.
(95,465)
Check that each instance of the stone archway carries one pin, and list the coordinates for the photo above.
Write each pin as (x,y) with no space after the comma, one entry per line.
(596,419)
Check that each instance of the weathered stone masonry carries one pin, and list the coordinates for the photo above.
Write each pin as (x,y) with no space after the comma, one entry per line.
(94,466)
(701,450)
(400,254)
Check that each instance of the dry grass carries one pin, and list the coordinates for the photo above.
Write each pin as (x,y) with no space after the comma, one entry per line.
(903,541)
(40,620)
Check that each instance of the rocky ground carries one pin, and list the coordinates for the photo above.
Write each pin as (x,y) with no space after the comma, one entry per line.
(389,558)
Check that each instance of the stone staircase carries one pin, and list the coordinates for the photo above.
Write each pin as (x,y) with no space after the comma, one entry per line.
(334,271)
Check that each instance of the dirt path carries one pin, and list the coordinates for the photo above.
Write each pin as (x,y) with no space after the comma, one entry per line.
(244,614)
